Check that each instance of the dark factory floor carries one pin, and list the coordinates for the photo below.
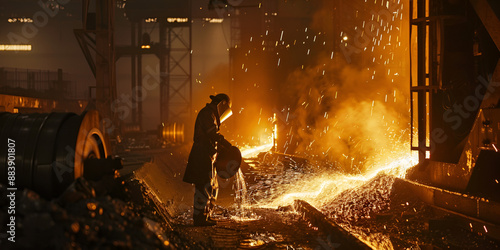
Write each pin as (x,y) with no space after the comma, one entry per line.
(268,228)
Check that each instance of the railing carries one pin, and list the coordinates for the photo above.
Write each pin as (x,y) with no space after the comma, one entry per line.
(39,83)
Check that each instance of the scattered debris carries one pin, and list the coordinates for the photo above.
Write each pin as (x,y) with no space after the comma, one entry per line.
(80,219)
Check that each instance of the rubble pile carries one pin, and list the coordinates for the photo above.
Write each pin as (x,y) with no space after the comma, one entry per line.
(362,202)
(273,177)
(385,215)
(80,219)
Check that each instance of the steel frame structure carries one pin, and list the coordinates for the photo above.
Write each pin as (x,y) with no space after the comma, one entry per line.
(428,78)
(175,62)
(175,71)
(96,39)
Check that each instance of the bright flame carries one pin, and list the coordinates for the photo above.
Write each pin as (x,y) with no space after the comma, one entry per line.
(275,132)
(254,151)
(397,168)
(307,195)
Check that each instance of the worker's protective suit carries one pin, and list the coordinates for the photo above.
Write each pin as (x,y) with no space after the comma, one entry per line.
(200,170)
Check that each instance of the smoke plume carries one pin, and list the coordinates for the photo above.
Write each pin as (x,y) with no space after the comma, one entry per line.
(353,107)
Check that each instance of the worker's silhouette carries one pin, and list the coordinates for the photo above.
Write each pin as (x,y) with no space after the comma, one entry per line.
(200,170)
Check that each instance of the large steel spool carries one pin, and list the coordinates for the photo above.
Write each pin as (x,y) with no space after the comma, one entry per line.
(50,149)
(173,133)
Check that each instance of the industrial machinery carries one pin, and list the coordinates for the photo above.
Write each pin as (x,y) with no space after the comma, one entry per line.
(172,133)
(47,152)
(455,107)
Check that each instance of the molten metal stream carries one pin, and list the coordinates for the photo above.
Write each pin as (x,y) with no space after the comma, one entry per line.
(244,211)
(320,189)
(254,151)
(332,193)
(317,189)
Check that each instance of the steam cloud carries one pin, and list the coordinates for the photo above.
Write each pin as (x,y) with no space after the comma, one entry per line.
(356,114)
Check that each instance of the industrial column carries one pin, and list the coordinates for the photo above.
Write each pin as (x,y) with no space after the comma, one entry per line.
(423,78)
(96,40)
(175,70)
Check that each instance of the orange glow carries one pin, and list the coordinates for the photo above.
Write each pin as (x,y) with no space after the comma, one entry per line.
(173,133)
(254,151)
(177,20)
(213,20)
(275,132)
(226,115)
(20,20)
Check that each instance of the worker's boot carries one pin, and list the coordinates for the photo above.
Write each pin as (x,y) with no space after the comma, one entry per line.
(200,219)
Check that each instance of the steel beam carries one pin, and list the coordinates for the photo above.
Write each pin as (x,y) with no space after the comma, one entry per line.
(474,208)
(175,70)
(338,235)
(489,18)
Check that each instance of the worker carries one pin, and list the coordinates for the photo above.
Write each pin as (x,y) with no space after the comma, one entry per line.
(200,169)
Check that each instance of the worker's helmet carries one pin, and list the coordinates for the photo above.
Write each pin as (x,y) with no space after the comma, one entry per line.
(223,105)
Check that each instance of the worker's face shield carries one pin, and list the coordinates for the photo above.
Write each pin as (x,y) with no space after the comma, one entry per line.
(224,109)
